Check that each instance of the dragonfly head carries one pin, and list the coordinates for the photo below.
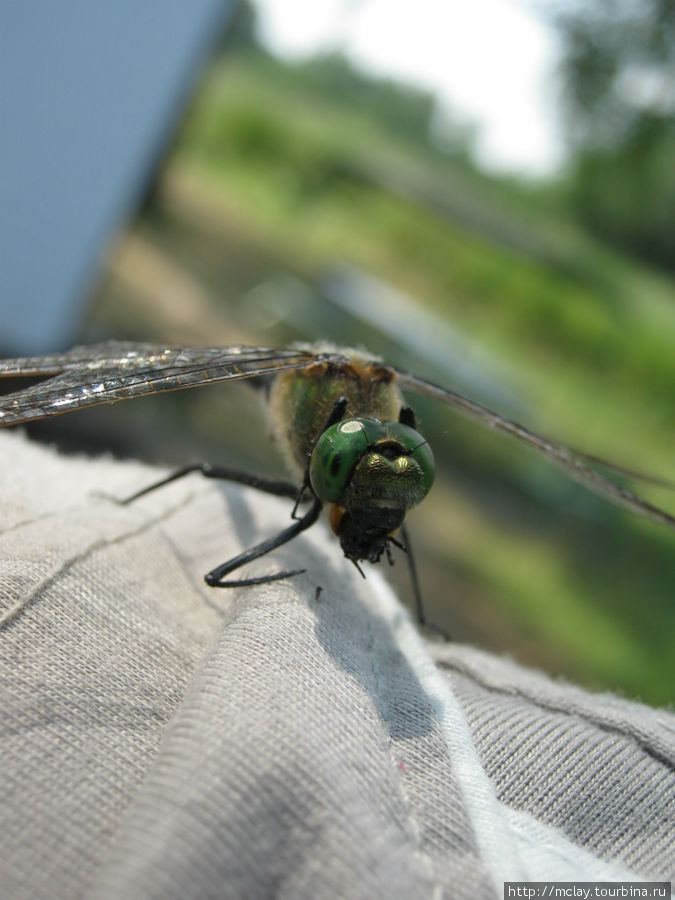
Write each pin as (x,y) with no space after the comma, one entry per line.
(372,472)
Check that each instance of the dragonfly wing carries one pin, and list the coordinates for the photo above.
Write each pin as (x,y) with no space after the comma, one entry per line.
(109,353)
(622,470)
(105,373)
(562,456)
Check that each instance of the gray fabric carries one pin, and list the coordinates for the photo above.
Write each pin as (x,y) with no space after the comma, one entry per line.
(164,739)
(597,767)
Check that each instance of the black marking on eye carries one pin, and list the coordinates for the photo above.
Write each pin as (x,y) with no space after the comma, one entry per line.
(336,464)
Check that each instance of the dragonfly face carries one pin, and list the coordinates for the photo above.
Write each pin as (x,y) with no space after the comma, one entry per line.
(370,468)
(372,473)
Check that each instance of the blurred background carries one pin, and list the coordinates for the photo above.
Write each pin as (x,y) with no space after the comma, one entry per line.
(480,193)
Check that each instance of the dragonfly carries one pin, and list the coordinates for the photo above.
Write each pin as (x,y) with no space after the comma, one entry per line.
(339,417)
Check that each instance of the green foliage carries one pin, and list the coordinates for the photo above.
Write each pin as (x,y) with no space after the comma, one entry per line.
(618,63)
(311,161)
(627,194)
(402,110)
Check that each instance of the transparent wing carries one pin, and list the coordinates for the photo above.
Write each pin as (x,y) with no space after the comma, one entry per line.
(622,470)
(569,460)
(104,373)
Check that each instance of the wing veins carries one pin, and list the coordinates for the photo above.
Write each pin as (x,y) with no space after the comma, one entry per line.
(75,388)
(122,354)
(556,453)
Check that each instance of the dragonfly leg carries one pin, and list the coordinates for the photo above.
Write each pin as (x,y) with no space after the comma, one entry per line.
(336,414)
(268,485)
(406,416)
(299,495)
(417,593)
(214,577)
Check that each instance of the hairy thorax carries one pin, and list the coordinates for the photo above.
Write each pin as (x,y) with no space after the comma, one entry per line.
(300,403)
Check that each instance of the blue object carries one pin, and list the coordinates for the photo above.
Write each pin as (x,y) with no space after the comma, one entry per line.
(90,94)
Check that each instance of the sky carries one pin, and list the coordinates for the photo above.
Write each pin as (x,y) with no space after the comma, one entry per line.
(491,62)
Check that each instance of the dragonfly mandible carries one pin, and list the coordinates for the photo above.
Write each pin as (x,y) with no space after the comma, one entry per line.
(338,416)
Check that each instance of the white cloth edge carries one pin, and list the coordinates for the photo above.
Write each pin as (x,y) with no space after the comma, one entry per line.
(551,856)
(497,843)
(513,845)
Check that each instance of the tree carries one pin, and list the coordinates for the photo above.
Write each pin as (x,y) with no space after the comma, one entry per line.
(619,75)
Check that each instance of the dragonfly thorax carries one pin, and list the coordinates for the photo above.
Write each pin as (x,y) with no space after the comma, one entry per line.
(300,403)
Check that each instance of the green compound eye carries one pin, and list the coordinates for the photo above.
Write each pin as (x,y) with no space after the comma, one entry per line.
(416,447)
(336,454)
(341,448)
